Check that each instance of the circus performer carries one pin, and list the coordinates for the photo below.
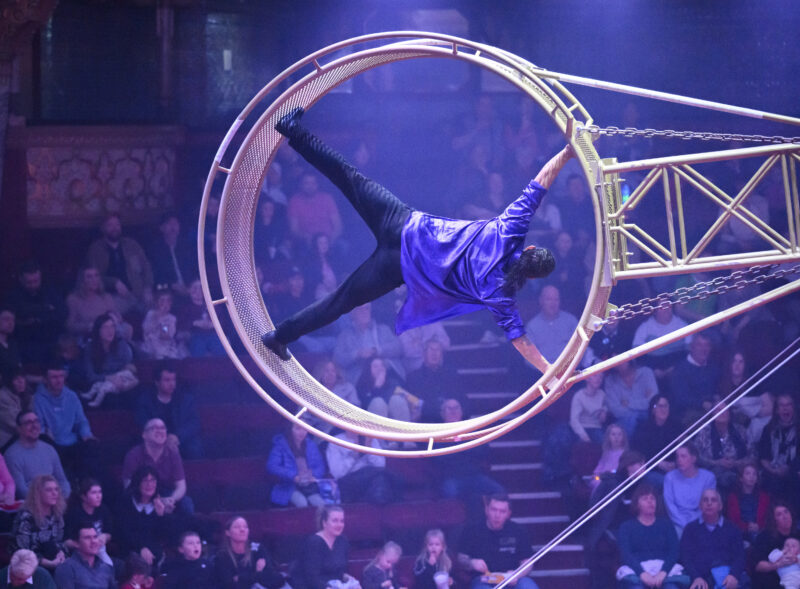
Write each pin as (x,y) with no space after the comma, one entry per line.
(451,267)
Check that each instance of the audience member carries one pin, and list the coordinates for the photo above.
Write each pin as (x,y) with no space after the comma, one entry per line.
(684,486)
(433,380)
(40,314)
(629,390)
(84,569)
(195,326)
(712,552)
(30,457)
(15,397)
(433,565)
(577,207)
(142,521)
(615,442)
(241,563)
(157,452)
(361,476)
(781,525)
(495,546)
(487,204)
(324,555)
(122,262)
(694,380)
(88,301)
(24,571)
(270,242)
(86,509)
(108,362)
(366,339)
(321,276)
(733,375)
(570,274)
(588,410)
(312,211)
(380,573)
(39,525)
(175,407)
(10,358)
(722,449)
(415,342)
(660,323)
(648,545)
(778,449)
(757,424)
(653,435)
(381,392)
(172,258)
(329,376)
(191,568)
(137,573)
(8,488)
(789,574)
(160,330)
(551,328)
(747,504)
(297,462)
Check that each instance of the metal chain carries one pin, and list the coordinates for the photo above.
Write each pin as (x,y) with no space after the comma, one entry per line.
(736,280)
(685,135)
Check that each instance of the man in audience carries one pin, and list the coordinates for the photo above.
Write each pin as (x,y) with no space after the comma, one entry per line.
(433,380)
(10,359)
(495,546)
(24,571)
(63,419)
(156,451)
(662,360)
(30,457)
(122,262)
(712,548)
(172,258)
(175,408)
(366,339)
(684,486)
(40,314)
(313,211)
(629,388)
(694,380)
(84,569)
(551,328)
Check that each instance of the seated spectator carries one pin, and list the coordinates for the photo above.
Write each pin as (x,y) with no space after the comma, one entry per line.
(10,358)
(329,376)
(734,373)
(270,241)
(361,476)
(39,525)
(122,263)
(496,545)
(324,556)
(241,563)
(62,418)
(88,301)
(684,486)
(588,410)
(172,258)
(380,573)
(648,545)
(660,323)
(629,389)
(653,435)
(137,573)
(432,381)
(381,392)
(779,448)
(86,509)
(30,457)
(694,380)
(319,267)
(24,571)
(757,424)
(569,277)
(366,339)
(142,520)
(84,569)
(40,314)
(175,407)
(722,449)
(615,442)
(780,525)
(712,552)
(160,328)
(464,474)
(747,504)
(15,397)
(194,325)
(108,362)
(551,328)
(190,569)
(415,339)
(433,565)
(312,211)
(789,574)
(8,488)
(298,463)
(157,452)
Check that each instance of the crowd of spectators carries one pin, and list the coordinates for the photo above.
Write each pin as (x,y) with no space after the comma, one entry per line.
(66,350)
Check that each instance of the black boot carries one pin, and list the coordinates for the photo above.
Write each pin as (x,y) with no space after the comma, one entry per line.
(288,123)
(270,340)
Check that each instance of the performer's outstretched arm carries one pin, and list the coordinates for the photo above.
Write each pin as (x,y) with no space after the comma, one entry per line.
(551,169)
(530,352)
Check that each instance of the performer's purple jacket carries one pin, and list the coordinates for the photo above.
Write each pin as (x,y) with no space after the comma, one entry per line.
(452,267)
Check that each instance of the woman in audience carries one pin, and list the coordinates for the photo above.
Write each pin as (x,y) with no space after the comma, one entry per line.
(159,329)
(320,273)
(781,524)
(433,565)
(195,326)
(15,397)
(329,375)
(722,450)
(748,504)
(39,525)
(653,435)
(684,486)
(88,301)
(142,520)
(615,442)
(779,449)
(380,390)
(242,564)
(588,410)
(298,463)
(380,573)
(86,508)
(324,555)
(108,362)
(647,537)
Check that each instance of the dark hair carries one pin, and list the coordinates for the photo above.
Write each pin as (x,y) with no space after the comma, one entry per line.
(23,413)
(135,565)
(654,401)
(642,490)
(532,263)
(325,511)
(771,525)
(138,476)
(690,448)
(29,267)
(87,484)
(186,534)
(97,354)
(627,458)
(164,366)
(499,497)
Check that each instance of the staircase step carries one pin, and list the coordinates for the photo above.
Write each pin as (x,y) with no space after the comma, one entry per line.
(481,403)
(563,556)
(462,331)
(536,503)
(483,379)
(518,476)
(577,578)
(478,354)
(502,451)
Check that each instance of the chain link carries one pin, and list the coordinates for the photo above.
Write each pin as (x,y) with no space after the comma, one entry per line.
(736,280)
(685,135)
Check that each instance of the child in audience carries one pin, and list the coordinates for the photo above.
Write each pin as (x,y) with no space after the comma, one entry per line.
(190,569)
(379,574)
(789,574)
(137,573)
(748,504)
(432,567)
(160,329)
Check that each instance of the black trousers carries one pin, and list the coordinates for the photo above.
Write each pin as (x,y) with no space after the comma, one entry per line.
(384,214)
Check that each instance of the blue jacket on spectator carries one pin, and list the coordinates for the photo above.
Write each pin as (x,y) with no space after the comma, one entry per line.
(281,463)
(61,415)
